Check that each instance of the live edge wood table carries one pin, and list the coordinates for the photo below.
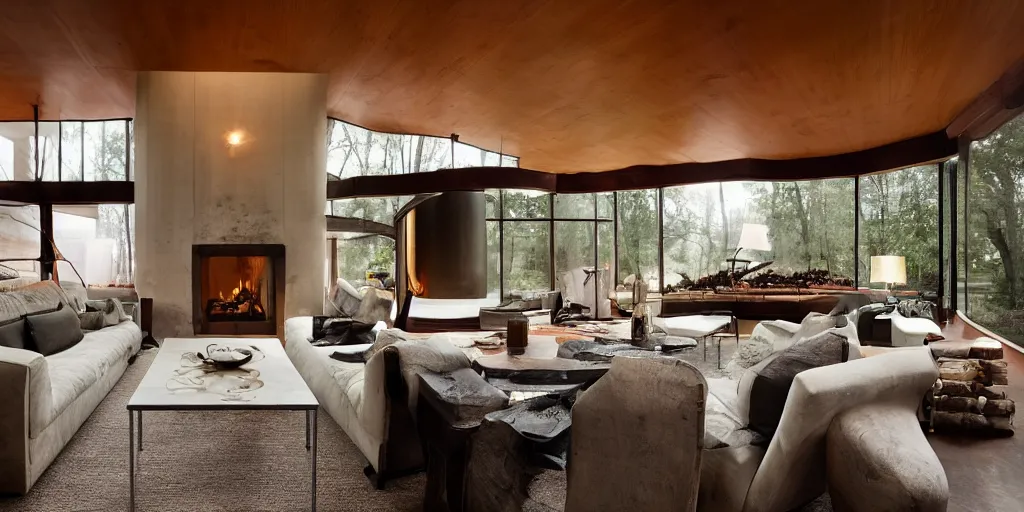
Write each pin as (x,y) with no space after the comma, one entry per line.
(452,406)
(179,380)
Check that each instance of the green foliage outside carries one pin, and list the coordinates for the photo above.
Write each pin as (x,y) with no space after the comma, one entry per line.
(995,233)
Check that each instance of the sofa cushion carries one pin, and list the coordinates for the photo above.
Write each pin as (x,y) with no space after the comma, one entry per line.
(764,387)
(74,370)
(34,298)
(54,332)
(12,333)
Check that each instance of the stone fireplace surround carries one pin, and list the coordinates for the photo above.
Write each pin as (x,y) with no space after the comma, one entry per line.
(192,188)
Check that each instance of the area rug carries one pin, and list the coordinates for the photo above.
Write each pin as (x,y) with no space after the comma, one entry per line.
(208,461)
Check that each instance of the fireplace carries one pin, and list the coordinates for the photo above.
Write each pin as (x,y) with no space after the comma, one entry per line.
(238,289)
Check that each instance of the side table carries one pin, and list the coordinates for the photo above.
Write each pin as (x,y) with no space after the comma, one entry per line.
(450,409)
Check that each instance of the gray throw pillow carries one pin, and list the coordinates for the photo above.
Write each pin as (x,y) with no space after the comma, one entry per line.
(773,377)
(12,333)
(92,320)
(54,332)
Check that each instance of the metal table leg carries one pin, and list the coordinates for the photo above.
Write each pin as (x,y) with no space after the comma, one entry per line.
(311,420)
(307,430)
(139,419)
(719,352)
(131,461)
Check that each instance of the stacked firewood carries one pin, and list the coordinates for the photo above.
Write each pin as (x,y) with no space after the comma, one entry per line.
(964,401)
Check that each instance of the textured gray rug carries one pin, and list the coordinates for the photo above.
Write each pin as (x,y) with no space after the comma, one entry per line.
(208,461)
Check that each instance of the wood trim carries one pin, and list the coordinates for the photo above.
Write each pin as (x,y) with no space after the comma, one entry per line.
(927,148)
(78,192)
(999,103)
(447,180)
(353,225)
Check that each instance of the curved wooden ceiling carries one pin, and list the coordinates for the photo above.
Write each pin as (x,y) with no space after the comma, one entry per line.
(566,85)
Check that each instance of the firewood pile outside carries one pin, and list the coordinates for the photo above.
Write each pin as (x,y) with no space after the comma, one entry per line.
(964,400)
(768,279)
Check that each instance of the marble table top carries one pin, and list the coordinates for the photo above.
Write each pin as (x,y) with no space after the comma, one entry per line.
(179,379)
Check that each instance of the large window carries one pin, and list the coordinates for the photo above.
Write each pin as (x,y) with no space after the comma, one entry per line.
(638,237)
(19,237)
(99,240)
(66,150)
(355,151)
(994,234)
(899,216)
(360,254)
(810,225)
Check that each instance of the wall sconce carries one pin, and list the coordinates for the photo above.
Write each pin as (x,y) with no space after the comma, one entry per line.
(235,138)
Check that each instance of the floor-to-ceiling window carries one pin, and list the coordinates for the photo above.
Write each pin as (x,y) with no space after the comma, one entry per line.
(808,224)
(899,216)
(98,240)
(994,232)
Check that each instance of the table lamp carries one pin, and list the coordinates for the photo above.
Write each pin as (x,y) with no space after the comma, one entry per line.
(888,270)
(752,236)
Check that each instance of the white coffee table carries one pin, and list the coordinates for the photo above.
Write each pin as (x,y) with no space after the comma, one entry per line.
(179,381)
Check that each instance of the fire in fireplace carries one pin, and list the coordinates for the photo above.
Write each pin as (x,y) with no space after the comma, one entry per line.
(237,289)
(243,302)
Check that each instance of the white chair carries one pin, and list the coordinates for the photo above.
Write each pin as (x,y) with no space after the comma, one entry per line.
(910,332)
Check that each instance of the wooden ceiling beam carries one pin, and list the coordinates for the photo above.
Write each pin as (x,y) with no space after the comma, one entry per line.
(928,148)
(68,192)
(999,103)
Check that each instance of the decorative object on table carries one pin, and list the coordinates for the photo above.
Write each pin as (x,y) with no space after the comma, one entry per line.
(640,319)
(224,357)
(219,372)
(963,401)
(518,336)
(890,270)
(753,237)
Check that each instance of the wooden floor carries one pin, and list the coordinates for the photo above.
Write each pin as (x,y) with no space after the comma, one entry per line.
(986,474)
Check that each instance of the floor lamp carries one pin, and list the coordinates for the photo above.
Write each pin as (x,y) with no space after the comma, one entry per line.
(752,236)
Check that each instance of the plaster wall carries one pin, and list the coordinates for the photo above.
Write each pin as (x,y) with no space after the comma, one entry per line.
(192,187)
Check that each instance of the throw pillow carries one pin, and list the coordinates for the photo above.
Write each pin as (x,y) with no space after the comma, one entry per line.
(814,324)
(8,273)
(54,332)
(91,320)
(765,387)
(12,333)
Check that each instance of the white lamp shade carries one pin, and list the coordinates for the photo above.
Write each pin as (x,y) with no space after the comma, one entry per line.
(889,269)
(754,236)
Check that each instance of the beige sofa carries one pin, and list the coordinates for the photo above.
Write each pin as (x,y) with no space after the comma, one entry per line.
(374,403)
(791,471)
(44,400)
